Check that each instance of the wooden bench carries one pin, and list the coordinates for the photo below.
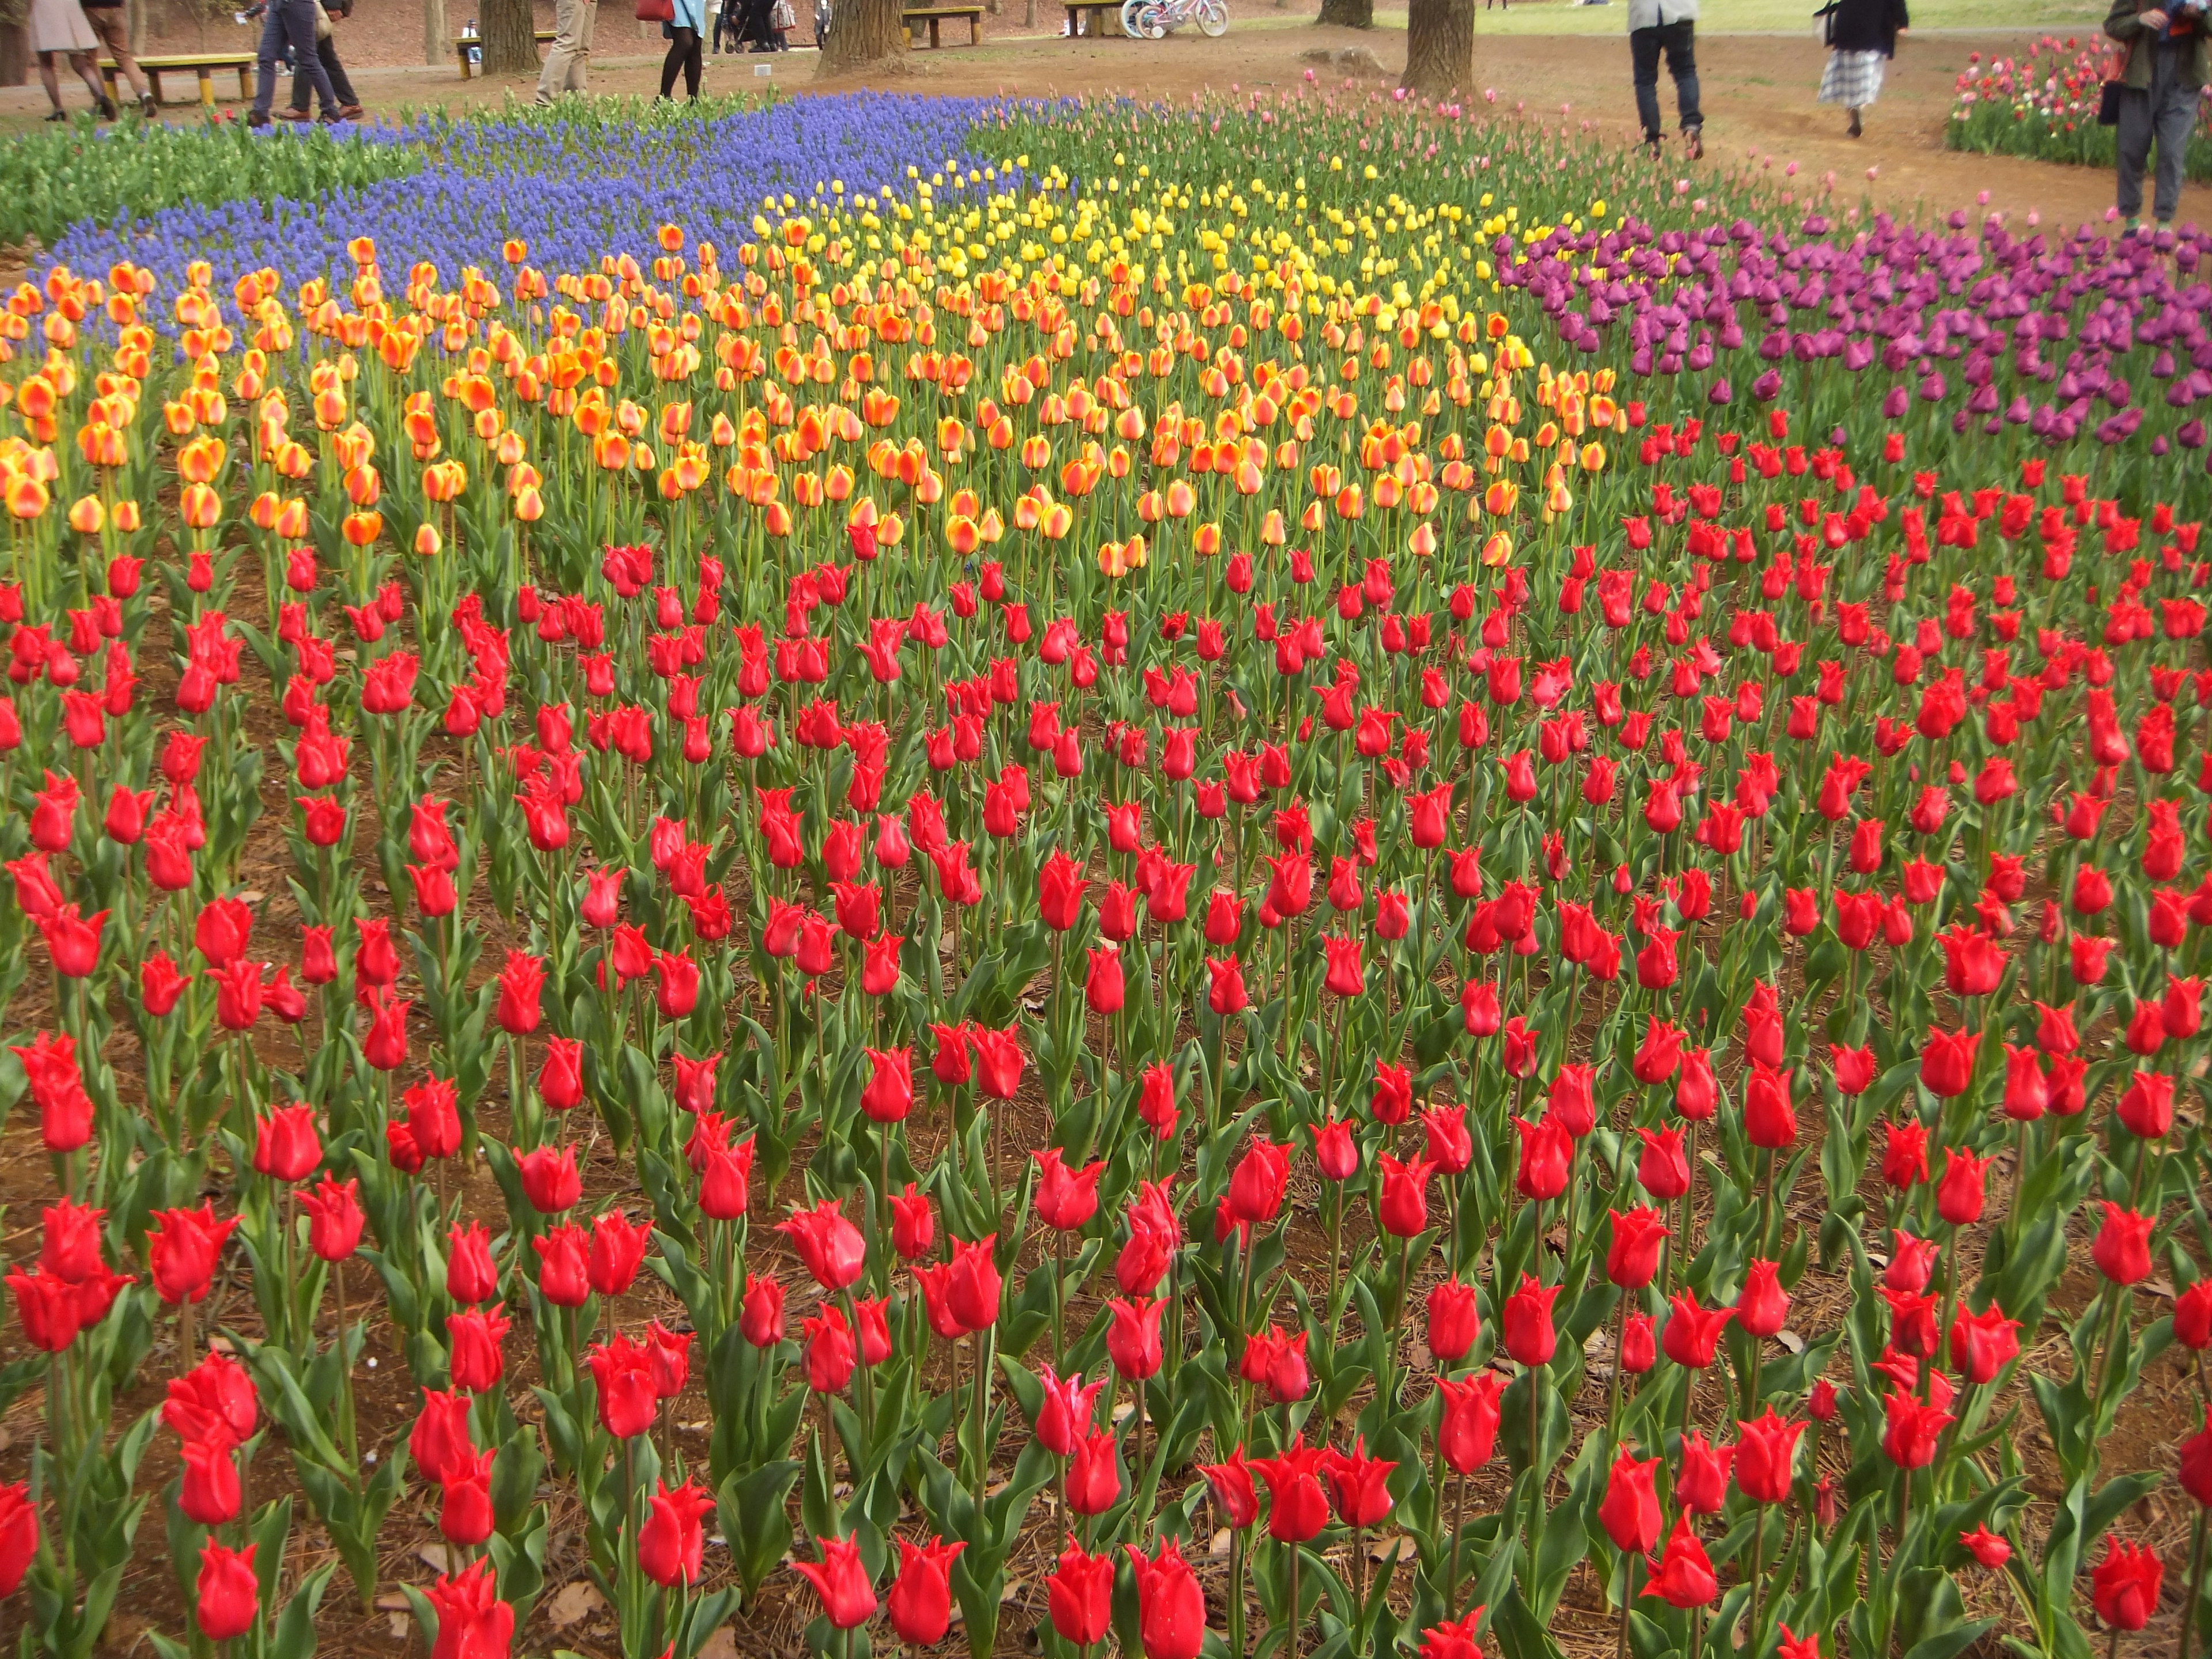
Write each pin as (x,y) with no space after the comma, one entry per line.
(914,16)
(201,64)
(465,43)
(1098,11)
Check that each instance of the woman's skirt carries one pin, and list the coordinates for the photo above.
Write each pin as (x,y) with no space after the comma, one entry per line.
(60,26)
(1852,79)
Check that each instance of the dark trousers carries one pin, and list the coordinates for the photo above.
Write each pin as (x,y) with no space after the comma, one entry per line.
(682,54)
(726,26)
(1679,42)
(327,51)
(292,21)
(2165,113)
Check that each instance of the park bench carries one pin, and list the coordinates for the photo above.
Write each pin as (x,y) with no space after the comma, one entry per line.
(201,64)
(465,44)
(916,16)
(1098,11)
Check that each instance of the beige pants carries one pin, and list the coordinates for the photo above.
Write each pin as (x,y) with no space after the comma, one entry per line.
(568,64)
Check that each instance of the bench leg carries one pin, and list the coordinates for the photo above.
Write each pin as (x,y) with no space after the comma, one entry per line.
(974,31)
(932,31)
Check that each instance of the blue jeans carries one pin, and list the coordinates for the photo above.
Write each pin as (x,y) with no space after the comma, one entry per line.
(292,21)
(1679,41)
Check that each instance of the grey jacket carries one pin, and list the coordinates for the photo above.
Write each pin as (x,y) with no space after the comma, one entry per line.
(1651,13)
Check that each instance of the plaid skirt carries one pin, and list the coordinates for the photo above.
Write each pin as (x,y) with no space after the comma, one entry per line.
(1852,79)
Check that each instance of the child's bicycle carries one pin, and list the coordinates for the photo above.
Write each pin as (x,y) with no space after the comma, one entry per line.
(1154,20)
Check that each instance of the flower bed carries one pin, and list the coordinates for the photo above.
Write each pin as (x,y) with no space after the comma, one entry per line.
(2045,106)
(1527,868)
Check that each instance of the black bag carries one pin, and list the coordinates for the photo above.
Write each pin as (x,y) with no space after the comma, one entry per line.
(2108,104)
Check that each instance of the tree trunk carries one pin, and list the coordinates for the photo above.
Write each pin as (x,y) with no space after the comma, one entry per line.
(436,43)
(15,53)
(1348,13)
(134,24)
(864,34)
(509,28)
(1439,47)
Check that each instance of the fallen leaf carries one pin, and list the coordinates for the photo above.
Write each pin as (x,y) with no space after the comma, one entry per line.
(399,1626)
(436,1558)
(1399,1548)
(722,1644)
(1218,1544)
(577,1601)
(392,1602)
(1791,1339)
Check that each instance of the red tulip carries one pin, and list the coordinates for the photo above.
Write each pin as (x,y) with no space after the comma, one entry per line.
(335,1219)
(2121,1248)
(473,1338)
(1455,1320)
(215,1400)
(1629,1512)
(1357,1482)
(1094,1475)
(1067,1409)
(181,1252)
(1632,1258)
(227,1595)
(1132,1340)
(2125,1585)
(473,1623)
(829,1352)
(1080,1595)
(19,1535)
(549,1178)
(920,1600)
(1693,1333)
(1961,1192)
(1466,1431)
(1701,1474)
(1986,1547)
(761,1318)
(1762,1305)
(830,1245)
(465,1506)
(440,1443)
(1234,1497)
(1765,1456)
(1683,1575)
(1527,1321)
(848,1598)
(1915,1428)
(888,1094)
(1066,1199)
(1297,1507)
(1404,1210)
(617,1251)
(671,1544)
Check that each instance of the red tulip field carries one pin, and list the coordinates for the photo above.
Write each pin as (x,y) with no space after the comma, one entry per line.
(1226,880)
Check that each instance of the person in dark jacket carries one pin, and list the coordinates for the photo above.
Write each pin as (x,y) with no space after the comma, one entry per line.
(1862,38)
(2166,71)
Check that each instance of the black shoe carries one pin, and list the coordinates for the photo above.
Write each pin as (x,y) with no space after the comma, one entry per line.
(1855,128)
(107,110)
(257,119)
(148,107)
(58,115)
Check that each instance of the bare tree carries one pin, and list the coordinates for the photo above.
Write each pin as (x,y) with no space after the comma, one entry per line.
(436,43)
(509,28)
(1348,13)
(865,34)
(1439,47)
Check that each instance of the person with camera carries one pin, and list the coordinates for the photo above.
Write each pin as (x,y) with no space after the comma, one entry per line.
(2158,89)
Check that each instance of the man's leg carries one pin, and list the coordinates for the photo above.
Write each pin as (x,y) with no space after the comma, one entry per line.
(272,48)
(88,72)
(553,78)
(1644,64)
(2132,136)
(341,83)
(114,35)
(299,25)
(2176,115)
(580,65)
(1681,40)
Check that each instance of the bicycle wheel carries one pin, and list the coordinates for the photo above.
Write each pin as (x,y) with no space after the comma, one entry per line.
(1129,10)
(1214,18)
(1154,20)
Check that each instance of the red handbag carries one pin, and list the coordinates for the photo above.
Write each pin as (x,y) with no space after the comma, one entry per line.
(656,11)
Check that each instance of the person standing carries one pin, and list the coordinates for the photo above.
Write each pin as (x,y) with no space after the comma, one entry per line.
(568,64)
(107,21)
(58,29)
(685,33)
(1861,36)
(2165,73)
(327,48)
(289,22)
(1669,27)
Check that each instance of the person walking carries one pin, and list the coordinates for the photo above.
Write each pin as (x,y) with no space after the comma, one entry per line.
(2165,73)
(106,19)
(1861,36)
(685,33)
(568,64)
(289,22)
(327,48)
(1669,27)
(58,29)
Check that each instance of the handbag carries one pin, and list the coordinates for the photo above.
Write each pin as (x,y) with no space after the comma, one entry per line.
(2108,95)
(1824,24)
(656,11)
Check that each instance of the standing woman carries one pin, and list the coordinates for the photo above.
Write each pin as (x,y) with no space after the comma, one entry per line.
(686,32)
(1862,35)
